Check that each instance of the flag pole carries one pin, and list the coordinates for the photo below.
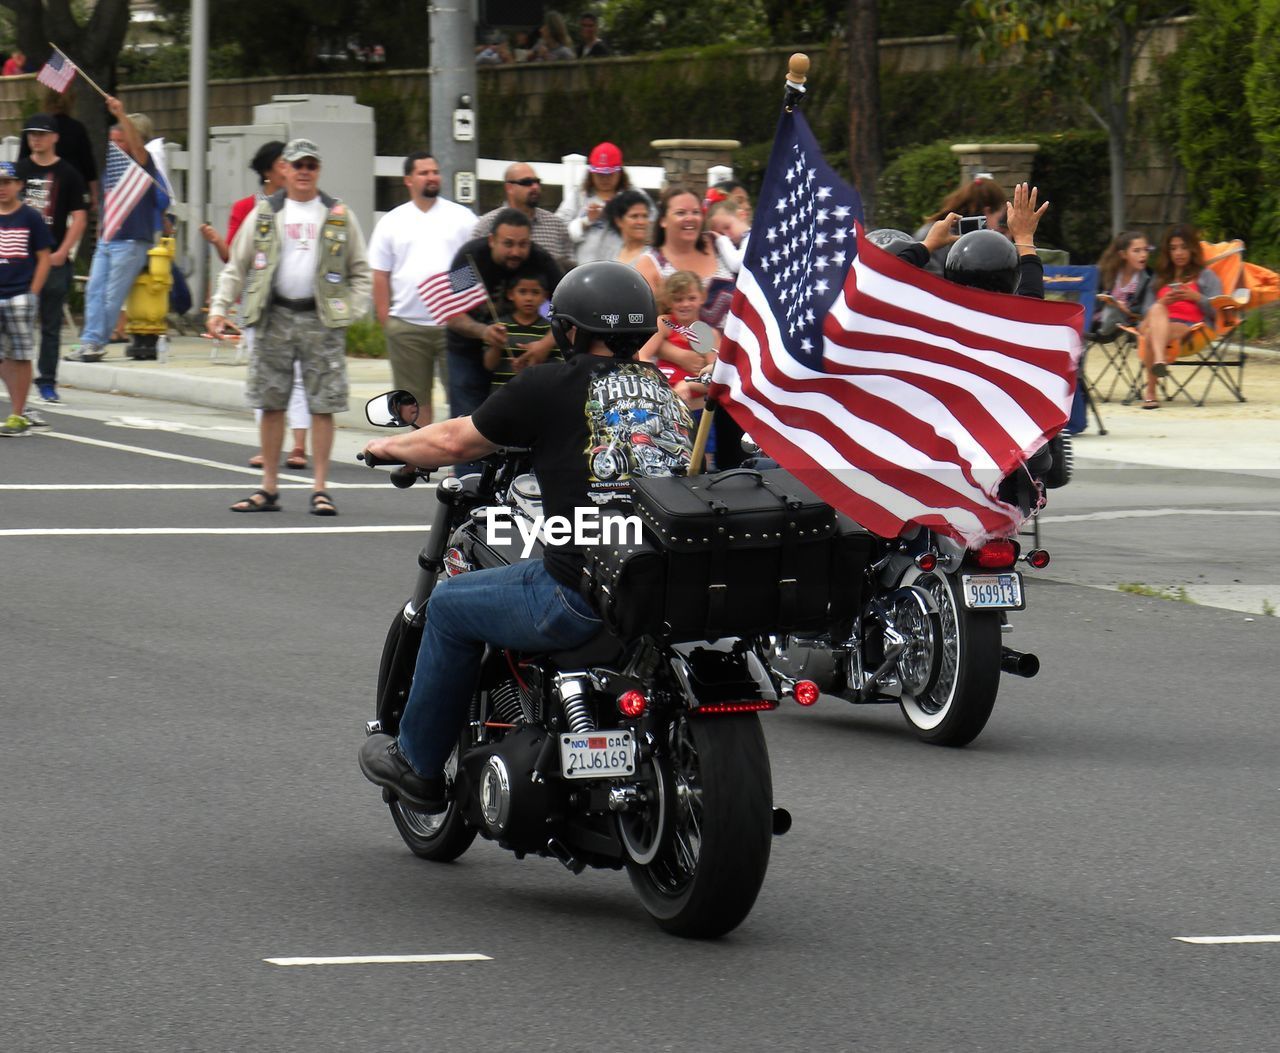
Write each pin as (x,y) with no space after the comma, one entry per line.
(79,70)
(797,74)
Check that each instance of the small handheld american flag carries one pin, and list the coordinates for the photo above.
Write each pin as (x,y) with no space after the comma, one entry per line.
(451,293)
(58,72)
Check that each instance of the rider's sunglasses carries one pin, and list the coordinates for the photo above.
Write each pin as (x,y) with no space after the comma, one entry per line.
(306,165)
(526,181)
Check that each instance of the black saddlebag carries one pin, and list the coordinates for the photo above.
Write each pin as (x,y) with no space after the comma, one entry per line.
(732,554)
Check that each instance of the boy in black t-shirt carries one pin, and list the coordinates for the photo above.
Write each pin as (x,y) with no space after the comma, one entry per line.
(526,293)
(24,265)
(54,189)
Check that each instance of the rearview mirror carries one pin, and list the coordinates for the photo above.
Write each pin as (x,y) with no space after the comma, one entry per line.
(395,409)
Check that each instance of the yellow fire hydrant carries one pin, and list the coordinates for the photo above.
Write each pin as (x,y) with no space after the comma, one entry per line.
(147,307)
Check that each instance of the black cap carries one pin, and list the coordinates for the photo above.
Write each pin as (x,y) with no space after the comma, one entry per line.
(41,122)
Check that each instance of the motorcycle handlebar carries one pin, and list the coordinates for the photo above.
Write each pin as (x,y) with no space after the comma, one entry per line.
(377,462)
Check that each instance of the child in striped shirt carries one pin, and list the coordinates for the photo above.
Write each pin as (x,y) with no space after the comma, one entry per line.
(526,293)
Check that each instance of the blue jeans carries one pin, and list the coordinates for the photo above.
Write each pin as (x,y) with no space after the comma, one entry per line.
(116,264)
(521,607)
(52,297)
(468,384)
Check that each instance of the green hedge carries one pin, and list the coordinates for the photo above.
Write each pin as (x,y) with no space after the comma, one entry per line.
(1216,143)
(1263,93)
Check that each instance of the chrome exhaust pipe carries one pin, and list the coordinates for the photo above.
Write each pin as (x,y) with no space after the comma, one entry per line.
(1018,663)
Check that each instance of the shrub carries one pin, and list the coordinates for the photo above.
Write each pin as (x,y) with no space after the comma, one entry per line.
(912,186)
(365,339)
(1263,94)
(1216,142)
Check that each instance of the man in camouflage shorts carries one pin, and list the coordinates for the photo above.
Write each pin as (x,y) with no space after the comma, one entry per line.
(301,262)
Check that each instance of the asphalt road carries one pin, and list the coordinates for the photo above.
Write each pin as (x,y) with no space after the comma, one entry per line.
(180,717)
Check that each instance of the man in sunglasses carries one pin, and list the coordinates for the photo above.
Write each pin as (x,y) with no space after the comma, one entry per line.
(300,258)
(524,191)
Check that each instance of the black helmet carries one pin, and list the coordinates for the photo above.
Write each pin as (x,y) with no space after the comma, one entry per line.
(984,259)
(603,301)
(890,240)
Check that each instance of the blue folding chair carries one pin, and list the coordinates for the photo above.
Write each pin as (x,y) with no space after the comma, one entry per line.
(1079,284)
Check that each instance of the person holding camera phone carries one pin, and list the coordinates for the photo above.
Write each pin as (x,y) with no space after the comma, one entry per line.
(983,197)
(1178,297)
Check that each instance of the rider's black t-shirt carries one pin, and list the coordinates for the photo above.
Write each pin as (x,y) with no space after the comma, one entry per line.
(592,423)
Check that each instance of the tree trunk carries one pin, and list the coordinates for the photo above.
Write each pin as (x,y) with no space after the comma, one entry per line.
(93,47)
(864,101)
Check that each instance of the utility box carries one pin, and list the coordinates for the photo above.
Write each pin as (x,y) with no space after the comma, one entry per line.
(231,148)
(343,130)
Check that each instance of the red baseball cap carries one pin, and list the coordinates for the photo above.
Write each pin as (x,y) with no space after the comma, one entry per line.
(605,159)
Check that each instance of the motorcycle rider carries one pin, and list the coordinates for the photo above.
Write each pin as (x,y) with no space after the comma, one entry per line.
(601,314)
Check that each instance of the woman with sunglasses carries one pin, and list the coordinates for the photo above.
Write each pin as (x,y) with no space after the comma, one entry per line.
(1177,298)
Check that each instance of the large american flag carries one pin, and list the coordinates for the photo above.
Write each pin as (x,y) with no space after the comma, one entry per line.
(125,182)
(58,72)
(895,395)
(452,293)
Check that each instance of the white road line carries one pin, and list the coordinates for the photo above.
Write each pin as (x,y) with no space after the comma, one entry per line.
(1228,939)
(55,487)
(382,959)
(164,455)
(179,531)
(1156,513)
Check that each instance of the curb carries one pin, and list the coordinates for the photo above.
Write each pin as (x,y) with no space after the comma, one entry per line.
(154,383)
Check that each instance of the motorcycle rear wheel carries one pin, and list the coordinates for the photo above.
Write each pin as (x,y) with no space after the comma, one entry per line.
(711,865)
(956,706)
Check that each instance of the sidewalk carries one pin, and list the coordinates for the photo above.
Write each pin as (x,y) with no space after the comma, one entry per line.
(1222,435)
(201,372)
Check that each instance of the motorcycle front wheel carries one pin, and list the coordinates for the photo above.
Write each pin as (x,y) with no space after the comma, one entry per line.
(442,837)
(714,851)
(955,707)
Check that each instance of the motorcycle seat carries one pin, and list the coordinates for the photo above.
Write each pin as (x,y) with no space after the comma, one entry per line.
(602,649)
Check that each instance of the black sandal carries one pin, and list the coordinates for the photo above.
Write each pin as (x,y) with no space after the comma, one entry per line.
(322,504)
(268,503)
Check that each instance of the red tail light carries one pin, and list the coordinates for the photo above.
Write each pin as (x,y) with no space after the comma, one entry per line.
(714,708)
(997,554)
(927,561)
(806,692)
(1038,558)
(632,704)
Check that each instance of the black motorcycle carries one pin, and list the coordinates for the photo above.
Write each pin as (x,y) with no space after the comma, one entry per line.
(627,754)
(933,614)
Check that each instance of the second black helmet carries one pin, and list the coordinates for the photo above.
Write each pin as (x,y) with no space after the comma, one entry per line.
(984,259)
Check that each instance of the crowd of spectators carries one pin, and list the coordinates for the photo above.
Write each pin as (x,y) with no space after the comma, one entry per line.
(550,41)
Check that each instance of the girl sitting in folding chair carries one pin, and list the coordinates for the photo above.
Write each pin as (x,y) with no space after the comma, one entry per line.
(1178,297)
(1123,276)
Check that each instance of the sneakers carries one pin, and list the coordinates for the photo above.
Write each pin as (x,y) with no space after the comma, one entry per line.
(87,353)
(48,394)
(15,425)
(34,419)
(384,765)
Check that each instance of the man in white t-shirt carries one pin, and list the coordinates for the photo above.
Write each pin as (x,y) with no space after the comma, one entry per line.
(410,244)
(300,259)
